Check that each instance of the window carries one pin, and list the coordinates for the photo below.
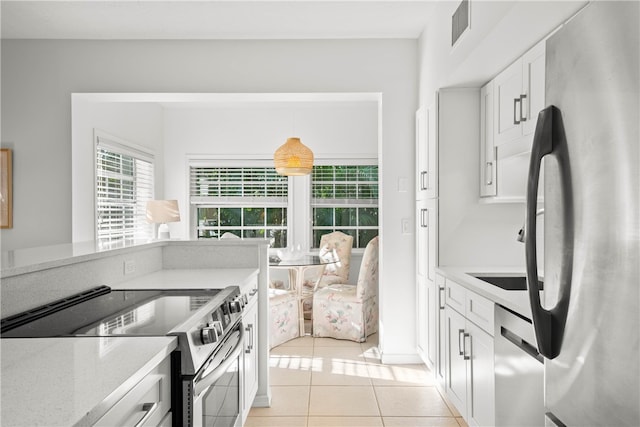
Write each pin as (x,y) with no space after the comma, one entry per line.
(124,184)
(345,198)
(245,201)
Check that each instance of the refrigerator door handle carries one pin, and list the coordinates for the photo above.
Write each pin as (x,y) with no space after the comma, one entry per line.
(549,139)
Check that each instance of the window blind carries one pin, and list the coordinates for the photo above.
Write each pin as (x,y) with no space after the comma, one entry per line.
(345,198)
(245,201)
(124,184)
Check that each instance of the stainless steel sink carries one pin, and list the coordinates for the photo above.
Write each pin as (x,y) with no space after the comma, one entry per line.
(508,283)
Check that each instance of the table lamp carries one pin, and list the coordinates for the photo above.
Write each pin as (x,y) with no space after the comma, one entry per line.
(161,212)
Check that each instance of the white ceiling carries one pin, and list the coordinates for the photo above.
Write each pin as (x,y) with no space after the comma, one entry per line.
(213,19)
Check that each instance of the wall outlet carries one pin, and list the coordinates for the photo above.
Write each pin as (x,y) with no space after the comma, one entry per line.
(129,266)
(406,226)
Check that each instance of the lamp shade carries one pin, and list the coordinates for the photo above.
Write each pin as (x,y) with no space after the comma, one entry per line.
(162,211)
(293,158)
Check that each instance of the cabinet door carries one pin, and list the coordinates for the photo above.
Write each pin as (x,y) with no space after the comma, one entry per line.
(432,149)
(487,149)
(422,154)
(507,108)
(481,389)
(422,316)
(426,153)
(441,333)
(250,318)
(456,365)
(533,69)
(432,326)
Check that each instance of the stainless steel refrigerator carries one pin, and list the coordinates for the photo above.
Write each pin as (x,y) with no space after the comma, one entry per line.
(588,327)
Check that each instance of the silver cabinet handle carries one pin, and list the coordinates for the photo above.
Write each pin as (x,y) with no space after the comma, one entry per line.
(149,408)
(523,117)
(460,347)
(423,176)
(516,121)
(464,346)
(249,330)
(424,218)
(489,173)
(441,297)
(253,292)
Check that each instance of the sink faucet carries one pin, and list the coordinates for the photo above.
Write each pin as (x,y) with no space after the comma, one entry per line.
(521,233)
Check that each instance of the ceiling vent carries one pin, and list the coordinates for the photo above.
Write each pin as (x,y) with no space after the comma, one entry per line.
(459,21)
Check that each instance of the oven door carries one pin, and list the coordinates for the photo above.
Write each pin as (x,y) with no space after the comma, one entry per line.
(216,389)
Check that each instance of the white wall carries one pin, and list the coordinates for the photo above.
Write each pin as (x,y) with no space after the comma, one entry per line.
(137,123)
(38,78)
(331,129)
(475,234)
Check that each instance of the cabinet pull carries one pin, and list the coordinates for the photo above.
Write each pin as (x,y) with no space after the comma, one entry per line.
(515,116)
(464,346)
(489,173)
(441,297)
(460,347)
(423,176)
(149,408)
(249,330)
(253,292)
(424,218)
(523,115)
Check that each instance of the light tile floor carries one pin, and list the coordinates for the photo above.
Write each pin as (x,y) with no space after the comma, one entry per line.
(322,382)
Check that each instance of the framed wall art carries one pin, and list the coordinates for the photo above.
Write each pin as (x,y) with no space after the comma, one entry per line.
(6,189)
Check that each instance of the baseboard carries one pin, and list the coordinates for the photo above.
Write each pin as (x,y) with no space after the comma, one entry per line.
(262,400)
(401,359)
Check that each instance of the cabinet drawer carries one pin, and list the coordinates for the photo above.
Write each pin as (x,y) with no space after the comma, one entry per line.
(480,311)
(455,296)
(150,398)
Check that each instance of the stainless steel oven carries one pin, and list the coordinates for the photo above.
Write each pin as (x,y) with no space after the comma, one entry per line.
(212,397)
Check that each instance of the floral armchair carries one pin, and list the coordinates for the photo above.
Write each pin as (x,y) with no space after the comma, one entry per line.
(335,246)
(346,311)
(283,317)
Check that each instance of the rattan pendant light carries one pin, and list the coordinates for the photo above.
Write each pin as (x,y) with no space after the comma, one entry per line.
(293,158)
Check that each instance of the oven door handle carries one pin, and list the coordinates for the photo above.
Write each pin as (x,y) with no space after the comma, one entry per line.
(213,374)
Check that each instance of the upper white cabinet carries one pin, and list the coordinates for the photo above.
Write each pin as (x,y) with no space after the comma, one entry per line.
(487,148)
(426,153)
(519,96)
(509,109)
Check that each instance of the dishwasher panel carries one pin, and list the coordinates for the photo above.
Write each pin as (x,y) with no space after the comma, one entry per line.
(519,370)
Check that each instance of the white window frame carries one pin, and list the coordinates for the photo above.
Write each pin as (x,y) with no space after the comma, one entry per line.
(141,230)
(237,162)
(348,161)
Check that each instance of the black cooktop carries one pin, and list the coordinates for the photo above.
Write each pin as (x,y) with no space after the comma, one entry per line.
(110,313)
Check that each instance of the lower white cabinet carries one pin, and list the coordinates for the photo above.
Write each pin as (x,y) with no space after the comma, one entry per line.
(147,404)
(469,358)
(250,381)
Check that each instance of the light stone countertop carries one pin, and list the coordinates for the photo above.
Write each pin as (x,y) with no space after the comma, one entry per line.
(205,278)
(72,381)
(517,301)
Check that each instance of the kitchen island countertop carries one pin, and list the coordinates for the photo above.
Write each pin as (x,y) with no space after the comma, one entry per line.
(72,381)
(203,278)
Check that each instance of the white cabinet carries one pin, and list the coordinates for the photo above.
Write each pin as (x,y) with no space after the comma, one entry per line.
(250,380)
(440,333)
(426,250)
(426,153)
(519,96)
(469,354)
(509,108)
(148,403)
(487,148)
